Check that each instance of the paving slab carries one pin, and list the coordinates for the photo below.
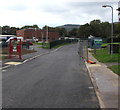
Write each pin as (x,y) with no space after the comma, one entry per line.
(107,83)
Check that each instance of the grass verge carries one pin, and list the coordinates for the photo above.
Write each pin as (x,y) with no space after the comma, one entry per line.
(115,69)
(103,56)
(37,43)
(106,44)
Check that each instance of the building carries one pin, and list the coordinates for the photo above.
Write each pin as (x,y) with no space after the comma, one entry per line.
(41,35)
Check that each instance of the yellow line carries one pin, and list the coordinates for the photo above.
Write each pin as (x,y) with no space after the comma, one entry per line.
(13,63)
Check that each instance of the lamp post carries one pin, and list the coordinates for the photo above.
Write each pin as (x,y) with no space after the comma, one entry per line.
(111,27)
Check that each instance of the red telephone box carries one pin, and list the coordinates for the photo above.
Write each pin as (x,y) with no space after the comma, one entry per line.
(15,47)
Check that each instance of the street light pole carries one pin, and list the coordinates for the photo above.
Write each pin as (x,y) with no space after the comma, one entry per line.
(111,27)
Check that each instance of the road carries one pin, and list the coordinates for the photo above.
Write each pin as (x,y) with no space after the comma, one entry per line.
(56,80)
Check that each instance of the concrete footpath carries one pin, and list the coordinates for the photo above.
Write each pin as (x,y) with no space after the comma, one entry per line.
(105,82)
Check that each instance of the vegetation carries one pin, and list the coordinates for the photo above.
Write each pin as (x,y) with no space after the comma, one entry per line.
(115,69)
(104,45)
(95,28)
(102,55)
(37,43)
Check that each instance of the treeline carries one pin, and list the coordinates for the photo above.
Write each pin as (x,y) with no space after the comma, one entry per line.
(7,30)
(95,28)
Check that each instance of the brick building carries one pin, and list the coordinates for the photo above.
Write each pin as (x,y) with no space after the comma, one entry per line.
(38,33)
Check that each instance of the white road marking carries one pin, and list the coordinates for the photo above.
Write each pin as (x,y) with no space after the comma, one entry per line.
(3,70)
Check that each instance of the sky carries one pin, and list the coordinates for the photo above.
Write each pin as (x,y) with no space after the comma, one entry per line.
(53,13)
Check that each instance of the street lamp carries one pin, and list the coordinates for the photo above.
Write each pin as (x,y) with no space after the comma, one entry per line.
(111,27)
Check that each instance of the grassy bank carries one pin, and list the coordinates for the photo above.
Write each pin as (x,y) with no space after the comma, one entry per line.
(106,44)
(115,69)
(37,43)
(103,56)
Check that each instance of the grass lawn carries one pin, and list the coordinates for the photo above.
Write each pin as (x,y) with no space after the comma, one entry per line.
(103,56)
(37,43)
(105,44)
(115,69)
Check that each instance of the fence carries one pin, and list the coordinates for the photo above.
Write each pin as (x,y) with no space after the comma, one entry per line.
(58,42)
(83,49)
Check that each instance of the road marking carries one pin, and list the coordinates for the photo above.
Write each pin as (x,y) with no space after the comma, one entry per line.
(90,87)
(13,63)
(3,70)
(17,63)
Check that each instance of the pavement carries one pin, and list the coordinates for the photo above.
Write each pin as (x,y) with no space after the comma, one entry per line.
(105,82)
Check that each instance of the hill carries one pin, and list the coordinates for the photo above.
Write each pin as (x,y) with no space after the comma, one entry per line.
(69,27)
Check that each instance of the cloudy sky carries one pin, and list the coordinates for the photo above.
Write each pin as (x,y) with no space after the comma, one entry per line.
(54,12)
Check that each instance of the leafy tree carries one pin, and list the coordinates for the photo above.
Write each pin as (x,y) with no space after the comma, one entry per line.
(62,32)
(105,29)
(96,28)
(6,30)
(30,26)
(73,32)
(84,31)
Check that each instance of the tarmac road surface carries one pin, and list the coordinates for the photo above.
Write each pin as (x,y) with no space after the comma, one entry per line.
(56,80)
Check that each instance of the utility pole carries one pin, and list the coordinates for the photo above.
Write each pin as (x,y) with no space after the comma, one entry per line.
(111,28)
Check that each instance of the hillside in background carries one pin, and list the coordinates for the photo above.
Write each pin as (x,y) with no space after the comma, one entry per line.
(69,27)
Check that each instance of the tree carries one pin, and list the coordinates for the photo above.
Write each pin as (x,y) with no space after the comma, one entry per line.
(105,29)
(30,26)
(62,32)
(96,28)
(84,31)
(73,32)
(6,30)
